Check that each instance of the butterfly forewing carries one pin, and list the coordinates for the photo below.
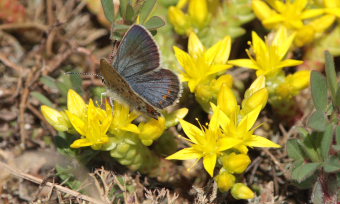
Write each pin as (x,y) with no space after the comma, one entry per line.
(137,53)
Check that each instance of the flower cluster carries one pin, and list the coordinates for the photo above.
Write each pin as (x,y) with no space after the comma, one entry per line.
(198,16)
(109,130)
(225,141)
(268,58)
(201,66)
(297,16)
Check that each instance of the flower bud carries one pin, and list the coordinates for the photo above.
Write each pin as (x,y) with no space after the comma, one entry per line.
(225,181)
(179,20)
(236,163)
(57,119)
(151,130)
(241,191)
(198,11)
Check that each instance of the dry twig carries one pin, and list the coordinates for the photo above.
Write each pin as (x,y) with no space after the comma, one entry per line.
(39,181)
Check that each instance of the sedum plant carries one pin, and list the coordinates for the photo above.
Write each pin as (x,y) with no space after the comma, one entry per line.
(131,12)
(316,156)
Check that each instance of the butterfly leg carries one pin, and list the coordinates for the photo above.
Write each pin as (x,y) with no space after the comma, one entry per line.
(104,94)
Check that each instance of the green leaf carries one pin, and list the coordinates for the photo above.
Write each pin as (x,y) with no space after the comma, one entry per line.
(307,183)
(109,10)
(337,98)
(154,22)
(332,165)
(43,99)
(317,194)
(48,81)
(76,83)
(294,149)
(319,91)
(318,121)
(146,10)
(311,146)
(66,175)
(130,14)
(118,31)
(303,132)
(326,142)
(303,171)
(337,134)
(168,3)
(122,8)
(330,73)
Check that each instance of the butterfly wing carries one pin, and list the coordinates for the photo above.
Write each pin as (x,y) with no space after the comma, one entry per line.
(137,53)
(160,87)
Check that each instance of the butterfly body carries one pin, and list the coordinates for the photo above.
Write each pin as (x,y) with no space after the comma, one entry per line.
(134,77)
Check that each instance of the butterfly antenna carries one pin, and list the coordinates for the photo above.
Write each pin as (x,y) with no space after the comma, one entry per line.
(85,74)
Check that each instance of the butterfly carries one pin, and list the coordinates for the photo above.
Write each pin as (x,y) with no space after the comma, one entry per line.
(135,77)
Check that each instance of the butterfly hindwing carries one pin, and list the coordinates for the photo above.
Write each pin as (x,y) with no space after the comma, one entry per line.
(137,53)
(160,87)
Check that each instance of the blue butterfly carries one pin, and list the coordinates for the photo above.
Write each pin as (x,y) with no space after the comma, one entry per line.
(134,77)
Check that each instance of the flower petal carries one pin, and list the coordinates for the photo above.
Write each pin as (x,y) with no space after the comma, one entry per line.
(219,53)
(311,13)
(185,154)
(75,103)
(227,101)
(77,123)
(258,141)
(195,47)
(209,162)
(251,117)
(262,10)
(227,143)
(247,63)
(218,68)
(289,63)
(81,143)
(191,131)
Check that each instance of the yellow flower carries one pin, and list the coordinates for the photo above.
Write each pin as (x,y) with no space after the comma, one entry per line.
(58,119)
(207,92)
(313,30)
(206,143)
(332,7)
(122,119)
(151,130)
(242,130)
(269,56)
(290,14)
(255,95)
(227,115)
(293,84)
(200,64)
(76,104)
(241,191)
(198,11)
(93,128)
(235,163)
(225,181)
(179,20)
(197,17)
(294,15)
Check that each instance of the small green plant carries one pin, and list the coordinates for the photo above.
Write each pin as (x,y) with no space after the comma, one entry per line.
(129,13)
(316,156)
